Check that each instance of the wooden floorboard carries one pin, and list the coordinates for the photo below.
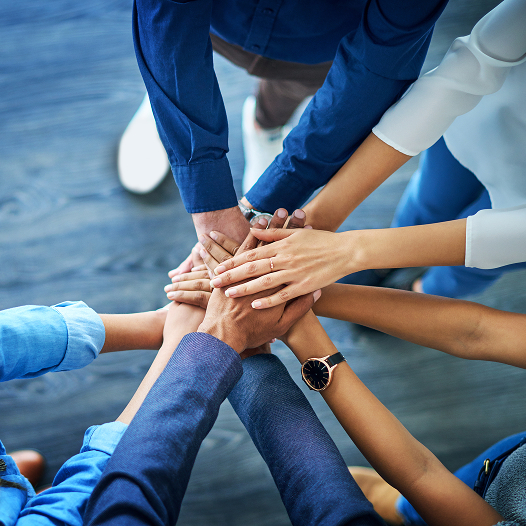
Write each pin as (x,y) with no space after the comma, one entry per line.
(69,84)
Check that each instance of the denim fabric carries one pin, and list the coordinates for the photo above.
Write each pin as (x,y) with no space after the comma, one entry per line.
(309,471)
(146,478)
(467,474)
(35,340)
(378,48)
(65,502)
(442,190)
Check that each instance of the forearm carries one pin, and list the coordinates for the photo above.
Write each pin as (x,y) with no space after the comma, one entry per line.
(189,320)
(146,478)
(143,330)
(369,166)
(460,328)
(415,246)
(306,466)
(395,454)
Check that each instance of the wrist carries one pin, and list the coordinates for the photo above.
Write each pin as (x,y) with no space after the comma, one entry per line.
(223,333)
(229,221)
(354,251)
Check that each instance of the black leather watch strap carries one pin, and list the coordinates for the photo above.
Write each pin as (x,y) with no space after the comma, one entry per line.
(335,359)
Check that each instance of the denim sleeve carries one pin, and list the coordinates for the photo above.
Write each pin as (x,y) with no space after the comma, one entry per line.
(309,471)
(371,70)
(35,340)
(12,500)
(145,480)
(65,502)
(174,54)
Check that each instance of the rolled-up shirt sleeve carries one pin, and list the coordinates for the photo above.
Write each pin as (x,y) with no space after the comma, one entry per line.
(35,340)
(495,238)
(474,66)
(174,53)
(371,70)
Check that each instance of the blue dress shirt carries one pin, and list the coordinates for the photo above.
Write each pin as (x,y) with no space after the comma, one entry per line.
(35,340)
(378,48)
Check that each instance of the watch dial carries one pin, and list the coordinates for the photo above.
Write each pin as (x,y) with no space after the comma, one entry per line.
(316,374)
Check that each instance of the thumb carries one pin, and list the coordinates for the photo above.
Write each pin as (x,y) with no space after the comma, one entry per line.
(297,309)
(271,234)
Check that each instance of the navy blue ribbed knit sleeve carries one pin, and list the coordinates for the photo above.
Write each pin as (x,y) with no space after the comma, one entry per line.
(146,478)
(310,473)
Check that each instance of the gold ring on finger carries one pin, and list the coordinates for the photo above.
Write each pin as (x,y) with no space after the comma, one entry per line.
(271,265)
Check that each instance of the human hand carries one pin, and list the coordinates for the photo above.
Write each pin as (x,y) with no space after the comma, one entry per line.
(303,259)
(192,288)
(181,319)
(193,260)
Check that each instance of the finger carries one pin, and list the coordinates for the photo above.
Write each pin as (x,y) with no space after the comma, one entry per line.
(297,219)
(190,276)
(278,221)
(274,234)
(210,262)
(197,260)
(196,284)
(266,282)
(225,242)
(216,251)
(282,296)
(252,269)
(250,241)
(185,266)
(190,298)
(202,267)
(296,309)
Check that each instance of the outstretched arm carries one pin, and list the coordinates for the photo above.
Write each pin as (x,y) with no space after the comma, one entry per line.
(438,496)
(461,328)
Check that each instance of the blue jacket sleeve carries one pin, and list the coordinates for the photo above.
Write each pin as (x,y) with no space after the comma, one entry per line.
(370,72)
(174,54)
(35,340)
(309,471)
(146,478)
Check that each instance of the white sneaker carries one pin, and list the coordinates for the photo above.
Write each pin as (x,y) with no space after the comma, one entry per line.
(260,146)
(142,160)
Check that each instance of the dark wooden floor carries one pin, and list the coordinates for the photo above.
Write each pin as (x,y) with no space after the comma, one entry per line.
(68,86)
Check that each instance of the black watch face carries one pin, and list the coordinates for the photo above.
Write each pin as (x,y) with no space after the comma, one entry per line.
(315,374)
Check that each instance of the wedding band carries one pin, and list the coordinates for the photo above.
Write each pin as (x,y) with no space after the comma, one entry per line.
(271,265)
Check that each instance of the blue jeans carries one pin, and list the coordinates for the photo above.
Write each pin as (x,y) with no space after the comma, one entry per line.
(468,474)
(443,190)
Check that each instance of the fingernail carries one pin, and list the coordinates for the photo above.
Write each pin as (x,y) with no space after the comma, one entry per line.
(219,269)
(282,213)
(201,239)
(168,288)
(202,253)
(273,340)
(308,227)
(256,304)
(300,214)
(213,235)
(317,295)
(216,282)
(230,292)
(171,295)
(175,279)
(262,221)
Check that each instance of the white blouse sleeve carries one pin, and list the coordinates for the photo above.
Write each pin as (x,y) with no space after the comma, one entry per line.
(474,66)
(495,238)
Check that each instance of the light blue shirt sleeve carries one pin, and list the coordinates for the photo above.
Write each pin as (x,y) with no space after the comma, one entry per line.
(35,340)
(12,500)
(65,502)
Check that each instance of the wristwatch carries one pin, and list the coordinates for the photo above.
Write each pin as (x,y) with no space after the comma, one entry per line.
(253,215)
(317,372)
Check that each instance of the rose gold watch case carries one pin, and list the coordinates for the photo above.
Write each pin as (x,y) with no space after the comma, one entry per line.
(330,369)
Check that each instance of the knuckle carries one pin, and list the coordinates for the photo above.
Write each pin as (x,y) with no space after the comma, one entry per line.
(252,268)
(266,281)
(251,256)
(224,258)
(227,277)
(198,284)
(283,295)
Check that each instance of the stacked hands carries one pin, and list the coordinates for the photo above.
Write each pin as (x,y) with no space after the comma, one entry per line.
(232,320)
